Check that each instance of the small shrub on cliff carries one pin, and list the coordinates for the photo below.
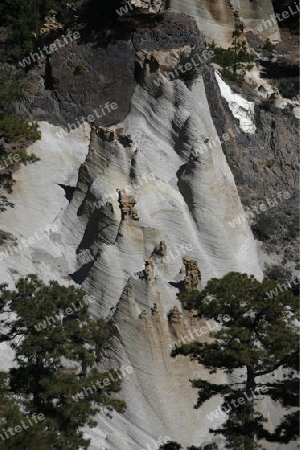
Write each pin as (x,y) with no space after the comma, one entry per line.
(246,201)
(267,49)
(189,75)
(17,129)
(264,226)
(79,69)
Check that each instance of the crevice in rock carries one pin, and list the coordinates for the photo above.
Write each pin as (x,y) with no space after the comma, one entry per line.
(138,73)
(49,86)
(285,76)
(178,285)
(69,191)
(184,187)
(81,274)
(98,222)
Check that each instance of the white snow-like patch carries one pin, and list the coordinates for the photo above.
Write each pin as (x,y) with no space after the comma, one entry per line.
(296,112)
(239,106)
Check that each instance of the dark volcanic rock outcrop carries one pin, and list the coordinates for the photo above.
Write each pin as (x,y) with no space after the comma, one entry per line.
(81,77)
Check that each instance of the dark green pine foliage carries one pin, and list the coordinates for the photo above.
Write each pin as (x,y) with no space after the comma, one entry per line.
(189,299)
(22,20)
(235,60)
(12,89)
(204,447)
(40,380)
(259,338)
(11,417)
(268,49)
(175,446)
(171,446)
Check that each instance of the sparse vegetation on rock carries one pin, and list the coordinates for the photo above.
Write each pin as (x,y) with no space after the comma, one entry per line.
(12,89)
(235,60)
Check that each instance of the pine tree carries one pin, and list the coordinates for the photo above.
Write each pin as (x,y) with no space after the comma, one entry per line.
(50,329)
(235,60)
(22,20)
(268,49)
(12,89)
(11,416)
(175,446)
(260,338)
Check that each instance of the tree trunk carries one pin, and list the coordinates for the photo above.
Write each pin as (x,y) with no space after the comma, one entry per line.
(250,386)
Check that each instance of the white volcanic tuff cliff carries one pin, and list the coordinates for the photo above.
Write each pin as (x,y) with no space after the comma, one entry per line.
(206,184)
(216,18)
(38,200)
(166,123)
(191,202)
(160,400)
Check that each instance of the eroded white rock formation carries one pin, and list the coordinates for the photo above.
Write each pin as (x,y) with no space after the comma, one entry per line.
(183,198)
(191,204)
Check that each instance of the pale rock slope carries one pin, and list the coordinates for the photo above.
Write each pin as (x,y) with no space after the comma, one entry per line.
(216,18)
(183,198)
(38,199)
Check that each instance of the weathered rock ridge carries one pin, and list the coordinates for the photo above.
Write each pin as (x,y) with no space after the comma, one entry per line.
(185,201)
